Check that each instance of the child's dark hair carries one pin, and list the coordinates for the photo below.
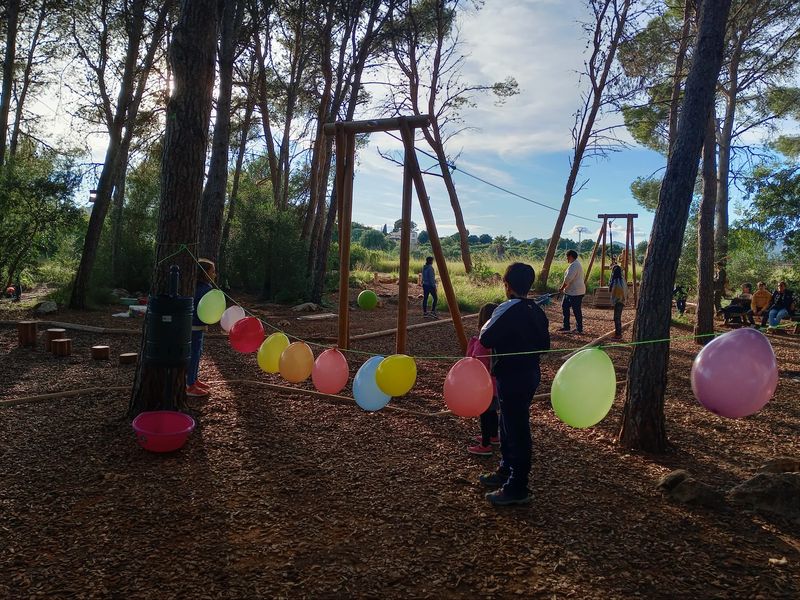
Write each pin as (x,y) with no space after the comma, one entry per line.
(520,277)
(572,254)
(428,260)
(616,272)
(485,313)
(204,267)
(748,285)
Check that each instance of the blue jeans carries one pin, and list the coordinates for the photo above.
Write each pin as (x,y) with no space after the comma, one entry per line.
(426,291)
(194,359)
(515,430)
(575,303)
(775,316)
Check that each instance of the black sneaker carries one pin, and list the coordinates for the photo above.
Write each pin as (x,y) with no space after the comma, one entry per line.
(493,480)
(503,498)
(563,328)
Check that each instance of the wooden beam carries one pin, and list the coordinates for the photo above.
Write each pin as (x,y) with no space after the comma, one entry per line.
(436,245)
(405,254)
(617,216)
(603,254)
(375,125)
(597,341)
(594,253)
(633,267)
(346,217)
(387,332)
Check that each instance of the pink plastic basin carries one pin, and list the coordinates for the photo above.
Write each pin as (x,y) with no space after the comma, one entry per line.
(162,430)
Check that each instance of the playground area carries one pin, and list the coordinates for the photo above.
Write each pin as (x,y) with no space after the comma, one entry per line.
(281,493)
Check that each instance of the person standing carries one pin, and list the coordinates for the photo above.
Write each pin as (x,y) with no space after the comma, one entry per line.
(618,290)
(574,289)
(429,289)
(516,332)
(720,281)
(205,278)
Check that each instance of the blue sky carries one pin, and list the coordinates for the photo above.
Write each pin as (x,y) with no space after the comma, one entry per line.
(523,145)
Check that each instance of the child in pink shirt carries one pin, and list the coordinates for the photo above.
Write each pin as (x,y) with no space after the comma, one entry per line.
(489,419)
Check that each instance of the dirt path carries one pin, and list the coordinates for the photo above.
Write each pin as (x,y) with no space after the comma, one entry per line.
(279,495)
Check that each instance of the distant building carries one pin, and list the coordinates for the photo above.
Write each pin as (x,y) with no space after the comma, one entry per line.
(395,237)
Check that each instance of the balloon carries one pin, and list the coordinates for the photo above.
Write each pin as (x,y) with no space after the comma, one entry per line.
(230,317)
(468,388)
(365,391)
(247,335)
(368,300)
(330,372)
(211,307)
(583,389)
(735,374)
(269,354)
(396,374)
(296,362)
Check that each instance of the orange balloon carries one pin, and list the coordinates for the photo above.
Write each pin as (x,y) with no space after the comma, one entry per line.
(468,388)
(330,372)
(296,362)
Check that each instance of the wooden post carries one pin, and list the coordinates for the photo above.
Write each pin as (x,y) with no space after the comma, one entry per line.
(603,254)
(594,254)
(61,346)
(345,216)
(26,333)
(405,241)
(633,267)
(627,243)
(436,245)
(101,352)
(128,358)
(53,334)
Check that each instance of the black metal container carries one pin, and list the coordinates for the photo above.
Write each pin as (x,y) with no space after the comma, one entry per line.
(168,331)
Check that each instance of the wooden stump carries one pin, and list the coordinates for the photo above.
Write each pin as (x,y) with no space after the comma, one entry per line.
(128,358)
(53,334)
(101,352)
(26,333)
(61,347)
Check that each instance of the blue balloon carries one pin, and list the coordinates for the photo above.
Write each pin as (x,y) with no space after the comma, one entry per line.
(365,390)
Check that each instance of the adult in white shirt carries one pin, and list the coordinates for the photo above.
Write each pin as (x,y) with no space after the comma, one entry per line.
(574,290)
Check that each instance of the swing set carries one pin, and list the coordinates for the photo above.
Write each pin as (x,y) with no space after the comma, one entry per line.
(602,298)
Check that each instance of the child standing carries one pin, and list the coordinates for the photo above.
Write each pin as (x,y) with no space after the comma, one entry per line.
(489,418)
(680,296)
(619,291)
(429,289)
(517,329)
(205,276)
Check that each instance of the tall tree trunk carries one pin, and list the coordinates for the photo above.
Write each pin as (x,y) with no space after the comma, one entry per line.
(704,322)
(677,77)
(320,267)
(26,80)
(213,204)
(108,176)
(643,425)
(12,21)
(116,220)
(192,57)
(585,131)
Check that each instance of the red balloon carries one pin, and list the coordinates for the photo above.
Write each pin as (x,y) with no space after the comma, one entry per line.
(330,372)
(247,335)
(468,388)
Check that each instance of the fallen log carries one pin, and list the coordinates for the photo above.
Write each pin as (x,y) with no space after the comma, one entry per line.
(76,327)
(597,341)
(385,332)
(65,394)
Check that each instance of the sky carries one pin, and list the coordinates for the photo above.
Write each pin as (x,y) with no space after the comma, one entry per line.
(523,145)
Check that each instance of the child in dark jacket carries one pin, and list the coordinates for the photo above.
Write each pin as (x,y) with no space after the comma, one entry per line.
(205,276)
(618,290)
(517,331)
(489,418)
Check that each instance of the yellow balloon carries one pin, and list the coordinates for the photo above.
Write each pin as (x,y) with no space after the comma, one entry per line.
(296,362)
(269,354)
(396,375)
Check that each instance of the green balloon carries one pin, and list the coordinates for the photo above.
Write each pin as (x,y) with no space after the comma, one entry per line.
(584,388)
(368,300)
(211,307)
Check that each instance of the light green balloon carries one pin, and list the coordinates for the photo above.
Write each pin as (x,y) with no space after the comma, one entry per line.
(584,388)
(211,307)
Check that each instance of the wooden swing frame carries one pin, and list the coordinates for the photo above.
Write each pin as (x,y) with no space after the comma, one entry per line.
(628,252)
(344,133)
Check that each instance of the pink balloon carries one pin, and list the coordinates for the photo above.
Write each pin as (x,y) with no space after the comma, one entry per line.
(247,335)
(330,372)
(231,316)
(468,388)
(735,374)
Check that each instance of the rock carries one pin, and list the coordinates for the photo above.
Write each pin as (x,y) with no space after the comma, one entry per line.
(46,307)
(781,464)
(692,491)
(306,307)
(775,493)
(671,480)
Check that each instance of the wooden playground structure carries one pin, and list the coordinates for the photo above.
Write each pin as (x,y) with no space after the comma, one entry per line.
(627,256)
(344,133)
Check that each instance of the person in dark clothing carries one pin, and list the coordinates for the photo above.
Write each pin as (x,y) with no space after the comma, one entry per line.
(429,289)
(618,290)
(205,277)
(780,307)
(680,295)
(516,332)
(720,281)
